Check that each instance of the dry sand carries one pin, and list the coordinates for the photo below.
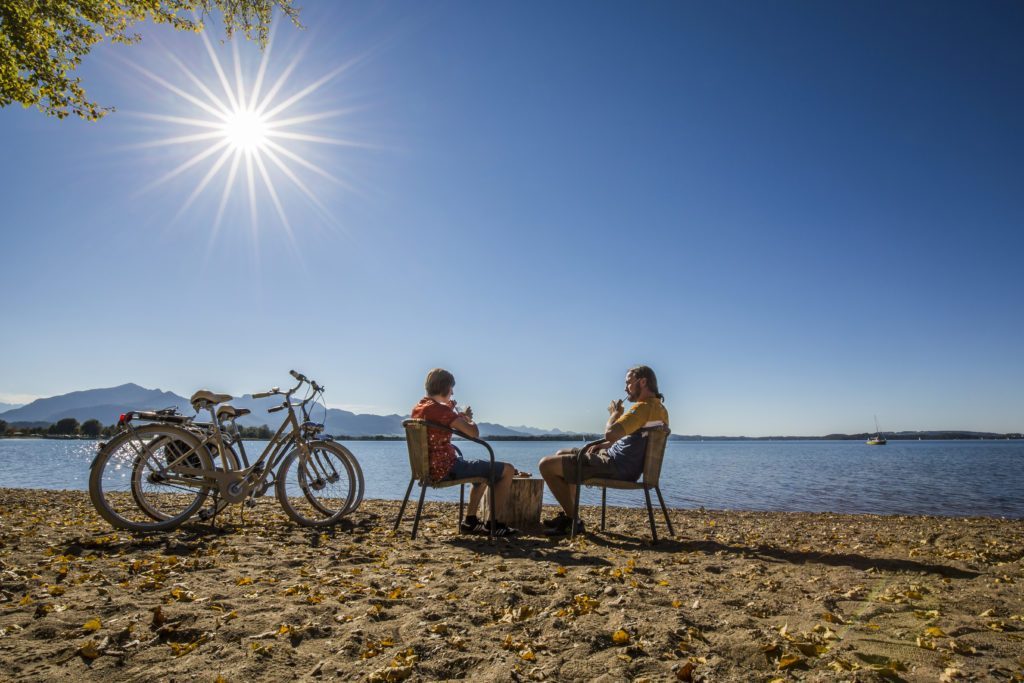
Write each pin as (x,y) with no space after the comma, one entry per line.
(736,596)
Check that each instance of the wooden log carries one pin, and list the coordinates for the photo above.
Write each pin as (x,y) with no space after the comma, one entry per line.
(522,509)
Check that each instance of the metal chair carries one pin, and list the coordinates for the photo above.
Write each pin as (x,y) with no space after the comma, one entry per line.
(417,440)
(657,437)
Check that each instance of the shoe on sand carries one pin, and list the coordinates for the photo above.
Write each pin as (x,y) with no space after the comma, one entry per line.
(558,520)
(502,529)
(562,529)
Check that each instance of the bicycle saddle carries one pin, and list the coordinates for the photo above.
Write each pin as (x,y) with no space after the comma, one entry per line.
(231,412)
(204,397)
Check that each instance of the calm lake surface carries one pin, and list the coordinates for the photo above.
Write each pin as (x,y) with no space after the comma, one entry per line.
(960,478)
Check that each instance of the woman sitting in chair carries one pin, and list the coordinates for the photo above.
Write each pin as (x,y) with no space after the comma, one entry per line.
(445,463)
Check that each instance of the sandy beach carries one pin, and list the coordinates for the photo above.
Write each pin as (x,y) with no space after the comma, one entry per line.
(736,596)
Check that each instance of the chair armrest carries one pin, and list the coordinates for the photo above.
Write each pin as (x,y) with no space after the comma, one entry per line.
(456,432)
(587,446)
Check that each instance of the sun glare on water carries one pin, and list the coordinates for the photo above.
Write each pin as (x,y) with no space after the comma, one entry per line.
(246,135)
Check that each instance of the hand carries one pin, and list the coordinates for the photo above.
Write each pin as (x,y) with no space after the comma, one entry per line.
(615,408)
(468,412)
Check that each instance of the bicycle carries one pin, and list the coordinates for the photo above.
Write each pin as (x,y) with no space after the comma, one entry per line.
(156,476)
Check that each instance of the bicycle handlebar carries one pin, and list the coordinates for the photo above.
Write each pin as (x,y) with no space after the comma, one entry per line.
(302,378)
(275,391)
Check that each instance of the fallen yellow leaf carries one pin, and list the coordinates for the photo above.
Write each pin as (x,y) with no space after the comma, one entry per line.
(89,650)
(789,661)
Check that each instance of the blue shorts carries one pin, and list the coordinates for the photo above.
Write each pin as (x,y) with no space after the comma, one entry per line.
(464,469)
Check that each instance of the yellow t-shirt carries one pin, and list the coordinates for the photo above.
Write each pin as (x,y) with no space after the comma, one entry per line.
(647,413)
(628,452)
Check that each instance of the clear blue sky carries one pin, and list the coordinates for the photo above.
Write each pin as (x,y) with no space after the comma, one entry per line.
(801,214)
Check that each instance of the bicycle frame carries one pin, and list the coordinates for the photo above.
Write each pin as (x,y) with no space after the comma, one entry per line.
(234,486)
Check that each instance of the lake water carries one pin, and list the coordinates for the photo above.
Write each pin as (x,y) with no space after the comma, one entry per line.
(959,478)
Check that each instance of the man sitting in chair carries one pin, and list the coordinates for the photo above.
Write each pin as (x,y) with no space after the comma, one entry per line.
(619,456)
(439,406)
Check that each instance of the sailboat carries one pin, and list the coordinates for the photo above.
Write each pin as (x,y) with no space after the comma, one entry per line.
(877,439)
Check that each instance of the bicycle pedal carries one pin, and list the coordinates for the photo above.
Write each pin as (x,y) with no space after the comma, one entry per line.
(250,503)
(206,514)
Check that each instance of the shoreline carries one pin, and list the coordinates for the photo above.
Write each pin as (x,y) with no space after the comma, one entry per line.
(737,595)
(590,497)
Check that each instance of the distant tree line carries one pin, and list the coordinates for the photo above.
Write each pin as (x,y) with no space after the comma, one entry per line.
(69,427)
(66,427)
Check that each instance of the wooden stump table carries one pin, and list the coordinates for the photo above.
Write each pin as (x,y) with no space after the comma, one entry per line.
(522,509)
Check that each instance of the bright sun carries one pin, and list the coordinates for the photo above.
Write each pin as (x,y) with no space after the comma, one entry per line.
(246,130)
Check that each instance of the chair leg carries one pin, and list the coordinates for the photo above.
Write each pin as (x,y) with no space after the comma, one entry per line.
(604,499)
(650,514)
(462,502)
(575,511)
(401,510)
(494,510)
(419,510)
(664,510)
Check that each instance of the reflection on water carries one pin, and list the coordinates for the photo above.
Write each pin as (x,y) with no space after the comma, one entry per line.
(906,477)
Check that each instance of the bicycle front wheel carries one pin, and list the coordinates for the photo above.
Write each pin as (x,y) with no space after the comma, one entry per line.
(136,481)
(320,488)
(329,470)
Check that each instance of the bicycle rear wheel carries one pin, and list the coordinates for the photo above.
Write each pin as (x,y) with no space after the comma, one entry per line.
(321,488)
(136,482)
(146,491)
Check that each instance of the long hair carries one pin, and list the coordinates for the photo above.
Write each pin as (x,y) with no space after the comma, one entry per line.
(439,382)
(644,372)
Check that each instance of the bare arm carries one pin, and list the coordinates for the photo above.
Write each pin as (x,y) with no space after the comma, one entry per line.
(466,425)
(612,431)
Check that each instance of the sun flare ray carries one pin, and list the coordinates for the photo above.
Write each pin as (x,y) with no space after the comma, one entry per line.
(219,69)
(187,164)
(207,179)
(254,124)
(310,89)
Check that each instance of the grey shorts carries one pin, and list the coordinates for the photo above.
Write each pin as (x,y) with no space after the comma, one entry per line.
(595,465)
(464,469)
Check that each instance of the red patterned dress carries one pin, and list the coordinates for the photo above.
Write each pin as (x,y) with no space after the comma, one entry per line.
(441,451)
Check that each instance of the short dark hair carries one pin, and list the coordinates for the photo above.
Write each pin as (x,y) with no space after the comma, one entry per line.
(644,372)
(439,382)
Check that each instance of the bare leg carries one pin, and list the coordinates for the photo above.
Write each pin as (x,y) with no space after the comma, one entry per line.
(476,492)
(501,490)
(554,476)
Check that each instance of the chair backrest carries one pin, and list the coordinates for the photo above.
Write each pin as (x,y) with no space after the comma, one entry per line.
(417,440)
(657,438)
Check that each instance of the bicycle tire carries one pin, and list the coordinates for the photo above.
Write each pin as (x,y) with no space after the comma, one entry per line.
(319,489)
(357,473)
(360,482)
(145,449)
(149,504)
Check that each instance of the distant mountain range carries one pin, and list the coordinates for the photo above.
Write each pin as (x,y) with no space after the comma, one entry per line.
(9,406)
(107,405)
